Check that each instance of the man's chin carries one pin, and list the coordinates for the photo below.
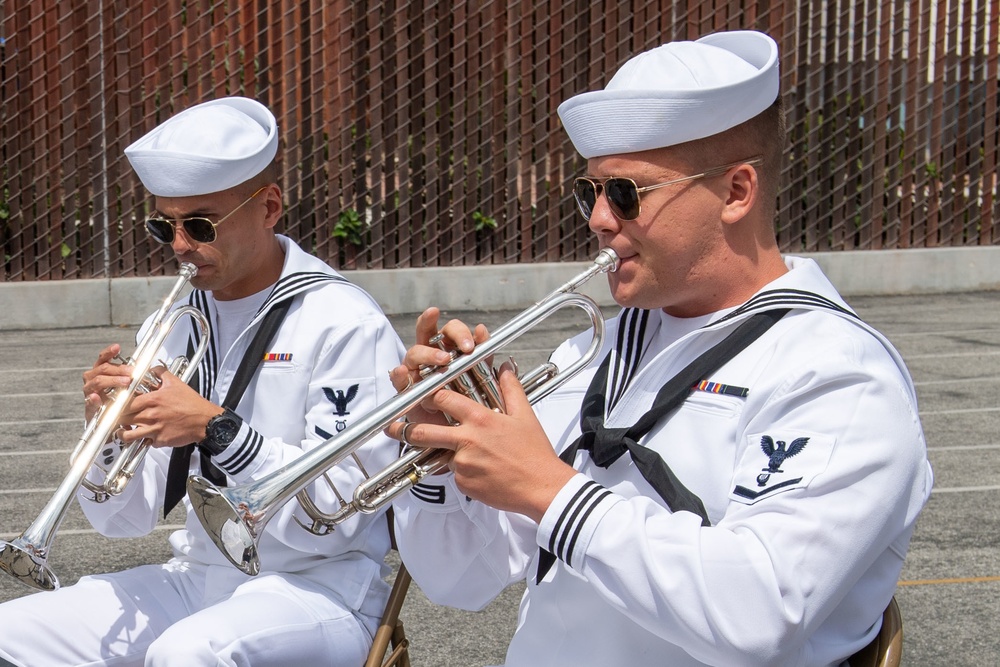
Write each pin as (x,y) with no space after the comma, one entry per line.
(622,290)
(624,298)
(202,281)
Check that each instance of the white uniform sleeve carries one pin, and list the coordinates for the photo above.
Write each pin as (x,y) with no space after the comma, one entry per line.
(461,552)
(136,511)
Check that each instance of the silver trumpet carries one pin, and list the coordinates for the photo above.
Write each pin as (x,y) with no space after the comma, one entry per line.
(25,558)
(235,517)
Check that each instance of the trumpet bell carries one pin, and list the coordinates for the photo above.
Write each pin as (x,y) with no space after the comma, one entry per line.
(23,562)
(234,536)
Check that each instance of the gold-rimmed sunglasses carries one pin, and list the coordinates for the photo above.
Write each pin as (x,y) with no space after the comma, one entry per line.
(198,228)
(623,193)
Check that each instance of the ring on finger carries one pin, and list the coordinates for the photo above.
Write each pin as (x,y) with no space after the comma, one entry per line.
(402,435)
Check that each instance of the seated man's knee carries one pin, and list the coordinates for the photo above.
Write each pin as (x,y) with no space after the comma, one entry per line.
(181,646)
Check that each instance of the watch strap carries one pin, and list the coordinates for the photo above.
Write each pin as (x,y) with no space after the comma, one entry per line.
(211,444)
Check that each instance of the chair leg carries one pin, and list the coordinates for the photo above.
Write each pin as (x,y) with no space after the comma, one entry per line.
(390,630)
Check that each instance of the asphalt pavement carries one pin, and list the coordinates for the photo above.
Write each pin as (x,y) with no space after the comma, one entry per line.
(948,592)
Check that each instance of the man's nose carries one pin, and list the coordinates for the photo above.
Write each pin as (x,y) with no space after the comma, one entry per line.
(601,218)
(182,243)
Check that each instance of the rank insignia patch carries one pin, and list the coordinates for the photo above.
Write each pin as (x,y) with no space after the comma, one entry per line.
(776,462)
(341,399)
(776,454)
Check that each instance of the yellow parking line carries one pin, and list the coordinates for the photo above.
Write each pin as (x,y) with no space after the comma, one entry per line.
(961,580)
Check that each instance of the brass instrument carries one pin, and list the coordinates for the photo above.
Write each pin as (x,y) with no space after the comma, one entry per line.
(25,558)
(234,517)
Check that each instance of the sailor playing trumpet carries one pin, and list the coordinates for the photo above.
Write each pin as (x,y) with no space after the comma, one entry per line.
(287,332)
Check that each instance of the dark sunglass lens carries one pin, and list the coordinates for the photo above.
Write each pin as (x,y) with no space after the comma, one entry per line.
(161,230)
(622,197)
(200,230)
(586,197)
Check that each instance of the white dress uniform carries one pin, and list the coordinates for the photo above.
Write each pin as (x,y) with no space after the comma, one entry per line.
(317,599)
(806,451)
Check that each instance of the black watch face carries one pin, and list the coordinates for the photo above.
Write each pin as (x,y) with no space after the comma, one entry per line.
(225,429)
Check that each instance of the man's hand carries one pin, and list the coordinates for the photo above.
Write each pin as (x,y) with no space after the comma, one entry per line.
(104,375)
(503,460)
(173,415)
(456,335)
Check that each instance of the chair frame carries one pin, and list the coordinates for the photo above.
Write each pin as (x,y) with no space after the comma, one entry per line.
(390,636)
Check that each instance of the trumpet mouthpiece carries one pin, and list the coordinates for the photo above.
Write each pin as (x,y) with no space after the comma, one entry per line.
(188,270)
(608,260)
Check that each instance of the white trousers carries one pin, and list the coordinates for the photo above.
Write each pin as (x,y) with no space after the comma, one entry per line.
(182,614)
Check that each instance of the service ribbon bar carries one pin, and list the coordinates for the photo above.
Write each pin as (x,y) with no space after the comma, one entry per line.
(719,388)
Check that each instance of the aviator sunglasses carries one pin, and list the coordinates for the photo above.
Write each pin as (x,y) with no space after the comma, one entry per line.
(199,229)
(623,194)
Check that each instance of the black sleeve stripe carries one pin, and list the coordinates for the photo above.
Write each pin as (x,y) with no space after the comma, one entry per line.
(429,493)
(583,519)
(562,517)
(246,453)
(575,514)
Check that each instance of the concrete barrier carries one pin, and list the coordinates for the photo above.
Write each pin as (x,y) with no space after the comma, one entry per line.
(127,301)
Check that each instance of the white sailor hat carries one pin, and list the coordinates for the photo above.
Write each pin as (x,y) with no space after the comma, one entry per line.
(677,92)
(208,148)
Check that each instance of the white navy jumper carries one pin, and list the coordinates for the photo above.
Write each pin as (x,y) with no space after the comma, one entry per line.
(334,342)
(317,599)
(805,450)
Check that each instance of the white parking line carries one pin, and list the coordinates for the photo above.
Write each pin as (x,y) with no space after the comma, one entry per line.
(88,531)
(43,421)
(43,370)
(957,411)
(965,489)
(913,357)
(964,381)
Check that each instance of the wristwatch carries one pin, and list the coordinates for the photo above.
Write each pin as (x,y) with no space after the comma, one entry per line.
(221,431)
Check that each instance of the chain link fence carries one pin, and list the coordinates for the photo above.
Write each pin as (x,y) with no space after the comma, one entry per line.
(424,133)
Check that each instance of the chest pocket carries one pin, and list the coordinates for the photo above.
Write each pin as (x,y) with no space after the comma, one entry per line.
(700,439)
(713,404)
(269,367)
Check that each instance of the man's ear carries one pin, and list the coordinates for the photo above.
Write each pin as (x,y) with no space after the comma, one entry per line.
(272,200)
(743,192)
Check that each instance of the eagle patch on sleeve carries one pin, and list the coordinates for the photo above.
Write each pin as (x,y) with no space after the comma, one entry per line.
(779,461)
